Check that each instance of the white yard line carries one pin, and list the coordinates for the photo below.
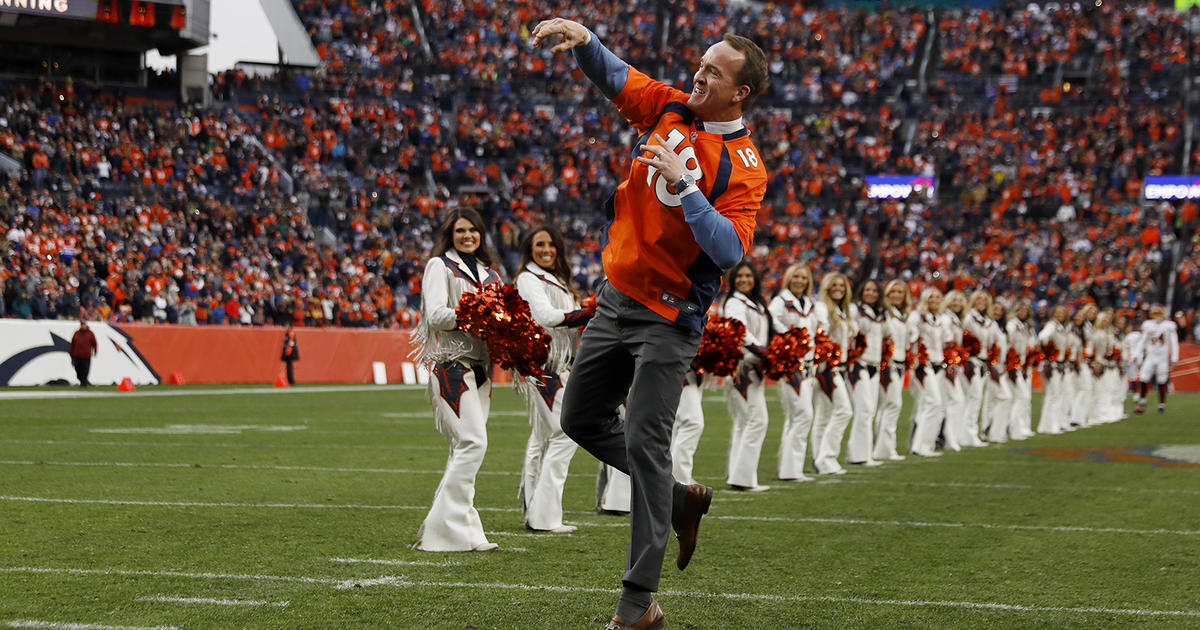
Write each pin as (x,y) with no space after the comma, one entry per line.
(166,599)
(527,534)
(1014,486)
(397,471)
(891,523)
(179,574)
(62,625)
(154,393)
(385,580)
(402,582)
(394,563)
(204,504)
(224,445)
(766,519)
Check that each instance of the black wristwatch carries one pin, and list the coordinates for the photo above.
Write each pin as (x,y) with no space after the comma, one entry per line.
(681,185)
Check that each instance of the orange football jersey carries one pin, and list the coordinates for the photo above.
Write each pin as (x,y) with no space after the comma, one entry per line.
(651,254)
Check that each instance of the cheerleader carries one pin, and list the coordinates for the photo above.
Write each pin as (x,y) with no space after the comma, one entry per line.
(998,397)
(831,407)
(1056,400)
(746,394)
(976,370)
(794,308)
(689,425)
(891,373)
(614,489)
(1020,339)
(929,380)
(870,317)
(1081,377)
(1131,352)
(1106,365)
(955,385)
(459,389)
(545,283)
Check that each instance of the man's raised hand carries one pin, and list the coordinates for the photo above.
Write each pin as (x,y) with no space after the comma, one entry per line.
(573,34)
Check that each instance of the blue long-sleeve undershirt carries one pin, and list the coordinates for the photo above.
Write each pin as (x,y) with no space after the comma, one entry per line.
(714,233)
(601,66)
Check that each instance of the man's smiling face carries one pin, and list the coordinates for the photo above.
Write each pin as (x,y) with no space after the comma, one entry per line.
(716,95)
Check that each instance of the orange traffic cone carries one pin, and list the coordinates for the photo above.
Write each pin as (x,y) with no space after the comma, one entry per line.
(175,379)
(281,380)
(126,385)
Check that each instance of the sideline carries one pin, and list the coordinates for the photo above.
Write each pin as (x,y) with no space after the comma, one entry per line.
(13,394)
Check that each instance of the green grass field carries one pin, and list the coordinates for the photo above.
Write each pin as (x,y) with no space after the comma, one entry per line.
(297,509)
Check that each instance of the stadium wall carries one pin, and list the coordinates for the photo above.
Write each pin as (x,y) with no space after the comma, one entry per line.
(35,353)
(243,354)
(1185,374)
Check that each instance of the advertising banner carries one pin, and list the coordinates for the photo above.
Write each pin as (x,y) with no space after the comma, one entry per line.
(899,186)
(1158,187)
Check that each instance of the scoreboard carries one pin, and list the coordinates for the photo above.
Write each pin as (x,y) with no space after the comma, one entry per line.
(99,40)
(51,21)
(76,9)
(152,13)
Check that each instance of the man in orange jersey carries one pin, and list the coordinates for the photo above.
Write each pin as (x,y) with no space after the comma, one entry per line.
(684,214)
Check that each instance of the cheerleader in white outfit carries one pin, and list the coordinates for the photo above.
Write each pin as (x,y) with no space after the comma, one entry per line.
(1056,401)
(688,427)
(1127,345)
(928,378)
(613,489)
(831,403)
(1131,350)
(794,308)
(1084,380)
(1106,406)
(955,384)
(870,317)
(746,393)
(459,389)
(1020,339)
(998,401)
(545,283)
(976,369)
(891,374)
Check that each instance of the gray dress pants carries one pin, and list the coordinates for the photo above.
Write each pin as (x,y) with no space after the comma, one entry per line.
(630,354)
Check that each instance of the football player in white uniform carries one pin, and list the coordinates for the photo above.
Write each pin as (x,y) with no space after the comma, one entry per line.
(1159,349)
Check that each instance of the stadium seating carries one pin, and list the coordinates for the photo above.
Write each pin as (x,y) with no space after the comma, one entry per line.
(315,200)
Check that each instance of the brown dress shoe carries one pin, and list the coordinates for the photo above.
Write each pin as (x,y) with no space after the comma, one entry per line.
(687,528)
(652,619)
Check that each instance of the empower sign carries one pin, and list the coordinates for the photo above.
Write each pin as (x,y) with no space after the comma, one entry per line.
(1171,187)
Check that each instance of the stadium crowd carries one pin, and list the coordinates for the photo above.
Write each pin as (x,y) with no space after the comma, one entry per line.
(314,200)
